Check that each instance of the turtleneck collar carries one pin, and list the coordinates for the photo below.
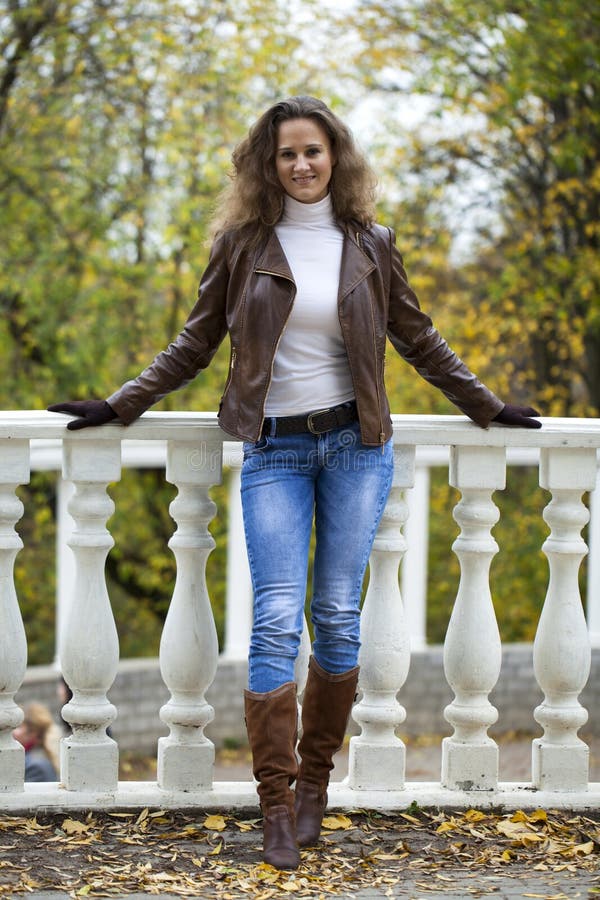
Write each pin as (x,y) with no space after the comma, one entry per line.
(296,213)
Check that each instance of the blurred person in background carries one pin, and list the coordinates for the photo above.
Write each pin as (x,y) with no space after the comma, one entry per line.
(39,735)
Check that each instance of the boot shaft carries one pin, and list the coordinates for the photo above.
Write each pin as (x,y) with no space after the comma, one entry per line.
(272,726)
(326,706)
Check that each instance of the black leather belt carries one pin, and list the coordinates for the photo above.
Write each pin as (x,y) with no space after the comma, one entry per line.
(317,422)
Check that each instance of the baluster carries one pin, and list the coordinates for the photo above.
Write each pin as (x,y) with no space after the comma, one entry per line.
(238,598)
(472,650)
(14,470)
(189,647)
(89,645)
(377,758)
(413,583)
(561,650)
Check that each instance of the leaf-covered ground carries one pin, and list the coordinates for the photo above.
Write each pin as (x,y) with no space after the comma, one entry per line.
(106,855)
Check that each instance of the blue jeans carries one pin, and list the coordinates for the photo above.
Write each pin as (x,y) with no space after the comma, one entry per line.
(286,481)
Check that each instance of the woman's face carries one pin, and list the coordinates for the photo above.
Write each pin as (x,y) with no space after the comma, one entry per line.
(25,735)
(304,160)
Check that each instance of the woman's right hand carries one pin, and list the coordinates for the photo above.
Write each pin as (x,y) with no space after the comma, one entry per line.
(89,412)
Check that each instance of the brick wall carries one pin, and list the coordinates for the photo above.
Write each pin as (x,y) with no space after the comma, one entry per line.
(138,693)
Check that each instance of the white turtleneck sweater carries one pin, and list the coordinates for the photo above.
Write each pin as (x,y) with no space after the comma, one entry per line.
(311,368)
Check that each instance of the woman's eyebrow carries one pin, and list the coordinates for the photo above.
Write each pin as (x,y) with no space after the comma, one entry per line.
(306,146)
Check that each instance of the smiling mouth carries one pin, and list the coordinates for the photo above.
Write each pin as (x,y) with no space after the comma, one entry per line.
(306,179)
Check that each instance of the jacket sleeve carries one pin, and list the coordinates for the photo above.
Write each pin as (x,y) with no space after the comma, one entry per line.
(416,339)
(190,352)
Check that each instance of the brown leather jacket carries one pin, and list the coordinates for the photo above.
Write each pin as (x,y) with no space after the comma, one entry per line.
(250,295)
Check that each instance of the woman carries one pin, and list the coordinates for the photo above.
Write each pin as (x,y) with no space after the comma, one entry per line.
(307,287)
(39,736)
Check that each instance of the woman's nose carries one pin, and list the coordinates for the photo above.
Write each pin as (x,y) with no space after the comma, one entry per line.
(301,163)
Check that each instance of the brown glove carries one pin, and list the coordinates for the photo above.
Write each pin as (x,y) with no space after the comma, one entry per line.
(518,416)
(90,412)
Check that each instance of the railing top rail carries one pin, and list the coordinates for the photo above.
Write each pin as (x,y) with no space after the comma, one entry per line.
(424,430)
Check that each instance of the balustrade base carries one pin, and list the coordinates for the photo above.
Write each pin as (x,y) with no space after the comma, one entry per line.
(559,767)
(233,797)
(471,767)
(379,766)
(12,767)
(89,767)
(185,767)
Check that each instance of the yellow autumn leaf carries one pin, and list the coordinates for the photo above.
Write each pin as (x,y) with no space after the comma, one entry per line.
(289,886)
(333,823)
(581,849)
(214,823)
(72,826)
(216,849)
(411,819)
(516,832)
(538,815)
(474,815)
(446,826)
(506,856)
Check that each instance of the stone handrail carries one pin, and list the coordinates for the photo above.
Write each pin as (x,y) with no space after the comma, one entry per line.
(188,654)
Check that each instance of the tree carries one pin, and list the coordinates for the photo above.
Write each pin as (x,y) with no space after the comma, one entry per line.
(116,125)
(514,90)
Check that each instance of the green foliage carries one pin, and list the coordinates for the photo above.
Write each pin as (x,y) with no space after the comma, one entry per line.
(116,126)
(513,133)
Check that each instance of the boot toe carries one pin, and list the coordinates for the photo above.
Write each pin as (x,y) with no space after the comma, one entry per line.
(287,860)
(280,847)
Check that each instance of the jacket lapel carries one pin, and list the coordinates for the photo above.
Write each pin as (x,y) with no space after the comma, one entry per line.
(355,266)
(273,260)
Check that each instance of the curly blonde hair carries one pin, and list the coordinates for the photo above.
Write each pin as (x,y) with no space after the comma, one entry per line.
(253,202)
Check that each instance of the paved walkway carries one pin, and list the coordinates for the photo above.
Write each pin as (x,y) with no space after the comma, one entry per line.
(461,888)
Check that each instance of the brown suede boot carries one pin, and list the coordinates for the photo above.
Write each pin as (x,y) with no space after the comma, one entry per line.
(325,709)
(272,725)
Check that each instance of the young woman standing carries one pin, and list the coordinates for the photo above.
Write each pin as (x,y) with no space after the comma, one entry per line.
(308,288)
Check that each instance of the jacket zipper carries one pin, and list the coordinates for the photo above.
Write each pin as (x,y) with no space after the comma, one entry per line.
(231,367)
(381,431)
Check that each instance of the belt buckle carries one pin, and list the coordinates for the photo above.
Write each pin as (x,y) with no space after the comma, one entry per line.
(310,421)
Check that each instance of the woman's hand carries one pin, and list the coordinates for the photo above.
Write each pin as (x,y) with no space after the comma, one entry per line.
(518,416)
(90,412)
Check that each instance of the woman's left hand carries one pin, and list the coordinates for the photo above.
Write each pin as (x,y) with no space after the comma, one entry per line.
(518,416)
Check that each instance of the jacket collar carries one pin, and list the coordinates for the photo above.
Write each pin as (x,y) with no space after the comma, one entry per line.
(356,265)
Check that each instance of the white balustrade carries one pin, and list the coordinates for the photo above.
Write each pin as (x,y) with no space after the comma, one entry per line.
(14,470)
(89,645)
(377,756)
(189,651)
(561,651)
(472,651)
(189,646)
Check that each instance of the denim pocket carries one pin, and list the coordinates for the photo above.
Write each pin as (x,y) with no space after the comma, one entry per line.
(251,447)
